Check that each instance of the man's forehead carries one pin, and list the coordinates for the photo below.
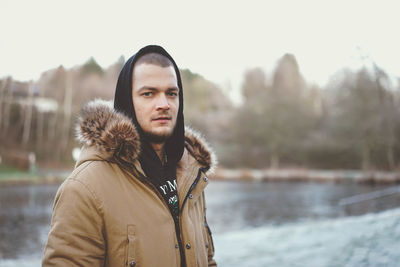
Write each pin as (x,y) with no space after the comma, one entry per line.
(151,69)
(154,76)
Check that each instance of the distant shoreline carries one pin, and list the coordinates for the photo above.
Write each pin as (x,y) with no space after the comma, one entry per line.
(243,175)
(305,175)
(35,180)
(41,176)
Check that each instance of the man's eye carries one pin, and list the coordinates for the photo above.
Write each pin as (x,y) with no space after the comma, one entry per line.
(172,94)
(147,94)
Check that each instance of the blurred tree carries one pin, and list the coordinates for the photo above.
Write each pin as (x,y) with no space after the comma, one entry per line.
(119,64)
(3,86)
(52,83)
(363,116)
(275,119)
(388,116)
(206,107)
(208,110)
(28,109)
(248,142)
(91,66)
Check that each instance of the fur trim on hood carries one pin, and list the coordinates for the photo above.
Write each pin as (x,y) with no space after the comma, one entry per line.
(114,134)
(200,149)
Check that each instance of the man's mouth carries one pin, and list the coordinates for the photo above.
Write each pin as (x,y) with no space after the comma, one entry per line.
(162,118)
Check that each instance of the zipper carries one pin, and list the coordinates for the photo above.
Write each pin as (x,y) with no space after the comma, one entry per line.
(181,209)
(192,187)
(178,223)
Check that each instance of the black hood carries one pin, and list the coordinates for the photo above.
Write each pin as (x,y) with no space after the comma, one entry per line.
(174,146)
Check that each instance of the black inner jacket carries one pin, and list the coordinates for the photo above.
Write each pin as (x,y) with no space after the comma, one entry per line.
(174,146)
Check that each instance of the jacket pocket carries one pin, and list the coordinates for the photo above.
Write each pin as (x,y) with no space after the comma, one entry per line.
(131,253)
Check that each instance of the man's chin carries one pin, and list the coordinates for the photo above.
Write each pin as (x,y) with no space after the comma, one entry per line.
(157,138)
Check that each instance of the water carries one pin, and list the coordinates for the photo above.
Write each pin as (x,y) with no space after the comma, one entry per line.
(259,224)
(25,214)
(368,240)
(236,206)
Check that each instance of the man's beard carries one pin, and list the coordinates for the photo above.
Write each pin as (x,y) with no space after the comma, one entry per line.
(157,138)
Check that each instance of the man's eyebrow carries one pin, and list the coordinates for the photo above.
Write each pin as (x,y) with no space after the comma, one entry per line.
(147,88)
(154,89)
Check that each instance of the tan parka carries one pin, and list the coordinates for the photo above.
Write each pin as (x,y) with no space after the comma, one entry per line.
(106,213)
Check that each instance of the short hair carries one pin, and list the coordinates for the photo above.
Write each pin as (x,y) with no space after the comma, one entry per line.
(154,59)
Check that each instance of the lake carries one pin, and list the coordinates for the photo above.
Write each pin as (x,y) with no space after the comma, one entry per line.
(253,224)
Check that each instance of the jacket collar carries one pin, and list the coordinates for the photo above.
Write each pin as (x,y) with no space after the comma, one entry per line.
(113,135)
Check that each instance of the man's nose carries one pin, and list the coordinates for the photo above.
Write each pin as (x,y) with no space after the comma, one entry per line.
(162,102)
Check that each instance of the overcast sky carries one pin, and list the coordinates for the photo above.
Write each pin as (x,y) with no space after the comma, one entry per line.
(218,39)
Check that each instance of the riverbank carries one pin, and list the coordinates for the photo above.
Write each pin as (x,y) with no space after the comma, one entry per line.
(43,176)
(305,175)
(56,176)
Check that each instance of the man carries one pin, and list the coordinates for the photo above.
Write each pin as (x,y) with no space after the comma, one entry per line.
(136,196)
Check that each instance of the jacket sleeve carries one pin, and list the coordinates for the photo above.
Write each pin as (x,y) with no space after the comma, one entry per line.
(211,249)
(76,236)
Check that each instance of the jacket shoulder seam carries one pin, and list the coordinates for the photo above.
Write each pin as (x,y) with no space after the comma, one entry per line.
(85,185)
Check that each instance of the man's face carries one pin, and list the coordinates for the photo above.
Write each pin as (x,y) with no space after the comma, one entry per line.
(155,96)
